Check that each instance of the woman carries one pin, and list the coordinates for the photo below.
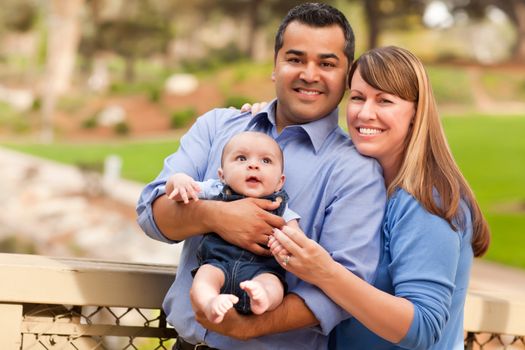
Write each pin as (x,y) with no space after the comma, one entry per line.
(432,226)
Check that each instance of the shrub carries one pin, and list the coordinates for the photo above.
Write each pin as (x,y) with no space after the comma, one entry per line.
(90,123)
(16,244)
(121,128)
(154,93)
(237,101)
(182,117)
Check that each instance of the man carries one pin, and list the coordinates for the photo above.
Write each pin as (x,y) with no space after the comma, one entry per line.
(339,194)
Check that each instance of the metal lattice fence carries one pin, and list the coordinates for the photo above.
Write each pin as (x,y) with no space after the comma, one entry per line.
(47,326)
(97,328)
(493,341)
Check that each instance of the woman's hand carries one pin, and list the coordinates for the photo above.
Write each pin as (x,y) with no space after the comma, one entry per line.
(300,255)
(254,108)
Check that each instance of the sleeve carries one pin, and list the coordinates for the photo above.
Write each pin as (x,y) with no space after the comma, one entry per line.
(191,158)
(210,188)
(350,233)
(290,215)
(425,253)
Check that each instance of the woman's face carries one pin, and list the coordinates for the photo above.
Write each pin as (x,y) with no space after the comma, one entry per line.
(378,122)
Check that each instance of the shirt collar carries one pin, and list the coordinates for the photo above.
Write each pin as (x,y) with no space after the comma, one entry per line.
(317,130)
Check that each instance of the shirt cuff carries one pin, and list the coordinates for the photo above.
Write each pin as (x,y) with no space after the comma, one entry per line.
(325,310)
(147,222)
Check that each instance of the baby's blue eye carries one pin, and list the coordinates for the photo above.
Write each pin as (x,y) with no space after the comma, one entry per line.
(241,158)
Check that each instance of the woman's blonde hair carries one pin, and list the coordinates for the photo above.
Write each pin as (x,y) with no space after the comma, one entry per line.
(427,164)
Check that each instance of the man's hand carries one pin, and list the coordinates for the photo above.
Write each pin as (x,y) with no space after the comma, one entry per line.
(291,314)
(233,324)
(246,223)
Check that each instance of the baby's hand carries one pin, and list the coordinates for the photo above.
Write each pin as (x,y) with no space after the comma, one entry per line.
(181,188)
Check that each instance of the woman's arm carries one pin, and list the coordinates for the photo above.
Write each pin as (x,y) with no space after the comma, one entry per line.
(374,308)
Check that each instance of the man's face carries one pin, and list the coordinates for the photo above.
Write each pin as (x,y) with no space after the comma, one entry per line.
(310,73)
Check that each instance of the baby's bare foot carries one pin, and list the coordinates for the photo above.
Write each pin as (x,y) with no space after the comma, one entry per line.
(259,299)
(218,307)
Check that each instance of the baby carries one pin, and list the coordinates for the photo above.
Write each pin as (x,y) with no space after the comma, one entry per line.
(229,276)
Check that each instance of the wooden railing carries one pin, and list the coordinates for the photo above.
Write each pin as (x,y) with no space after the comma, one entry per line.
(53,303)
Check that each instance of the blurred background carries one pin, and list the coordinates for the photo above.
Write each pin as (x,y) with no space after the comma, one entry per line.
(94,94)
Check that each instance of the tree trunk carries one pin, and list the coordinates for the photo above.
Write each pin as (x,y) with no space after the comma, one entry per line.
(129,72)
(519,13)
(62,45)
(373,18)
(254,25)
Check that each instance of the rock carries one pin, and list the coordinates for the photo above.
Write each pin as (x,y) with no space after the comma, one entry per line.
(46,203)
(19,99)
(181,84)
(111,116)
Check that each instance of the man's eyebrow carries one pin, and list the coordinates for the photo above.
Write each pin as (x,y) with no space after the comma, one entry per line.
(295,52)
(323,56)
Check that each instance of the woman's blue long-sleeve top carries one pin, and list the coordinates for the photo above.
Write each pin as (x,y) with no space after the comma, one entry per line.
(425,261)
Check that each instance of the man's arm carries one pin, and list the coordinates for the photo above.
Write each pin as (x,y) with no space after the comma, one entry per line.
(350,234)
(291,314)
(244,223)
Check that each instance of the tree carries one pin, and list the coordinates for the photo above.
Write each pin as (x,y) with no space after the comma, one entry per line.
(18,15)
(141,29)
(62,45)
(382,15)
(514,9)
(258,13)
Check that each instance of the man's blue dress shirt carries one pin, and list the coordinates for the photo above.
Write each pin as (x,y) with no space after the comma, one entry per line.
(338,193)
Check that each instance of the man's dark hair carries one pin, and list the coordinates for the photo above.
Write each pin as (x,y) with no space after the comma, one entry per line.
(318,15)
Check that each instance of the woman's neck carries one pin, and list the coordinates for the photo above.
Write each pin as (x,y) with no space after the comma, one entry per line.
(390,167)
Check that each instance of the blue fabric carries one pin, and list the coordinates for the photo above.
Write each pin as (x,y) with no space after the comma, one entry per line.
(338,193)
(426,262)
(238,264)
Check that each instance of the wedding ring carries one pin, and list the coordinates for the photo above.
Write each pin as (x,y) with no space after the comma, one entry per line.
(286,260)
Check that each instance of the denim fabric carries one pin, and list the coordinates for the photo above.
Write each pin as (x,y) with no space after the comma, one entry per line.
(236,263)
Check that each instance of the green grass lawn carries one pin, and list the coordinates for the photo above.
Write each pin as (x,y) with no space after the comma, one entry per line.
(141,161)
(491,153)
(489,150)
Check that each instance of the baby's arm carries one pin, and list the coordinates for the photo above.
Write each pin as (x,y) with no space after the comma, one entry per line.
(181,188)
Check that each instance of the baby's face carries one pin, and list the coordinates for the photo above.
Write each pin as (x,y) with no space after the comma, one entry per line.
(252,165)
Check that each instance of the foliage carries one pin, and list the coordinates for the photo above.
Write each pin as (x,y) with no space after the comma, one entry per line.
(121,128)
(215,59)
(13,120)
(19,15)
(256,12)
(504,86)
(90,123)
(182,117)
(18,245)
(237,101)
(450,84)
(141,29)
